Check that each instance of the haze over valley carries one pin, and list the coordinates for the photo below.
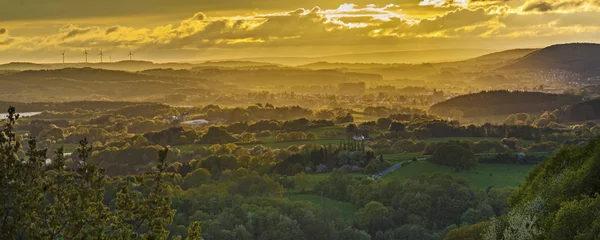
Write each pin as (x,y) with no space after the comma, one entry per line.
(297,120)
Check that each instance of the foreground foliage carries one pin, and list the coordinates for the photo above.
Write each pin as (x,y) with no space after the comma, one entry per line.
(50,199)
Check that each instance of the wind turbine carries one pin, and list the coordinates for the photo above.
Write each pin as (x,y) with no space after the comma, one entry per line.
(101,55)
(63,55)
(130,55)
(85,53)
(109,58)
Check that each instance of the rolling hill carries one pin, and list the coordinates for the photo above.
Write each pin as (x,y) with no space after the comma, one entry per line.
(494,103)
(581,58)
(128,65)
(413,57)
(507,55)
(580,112)
(75,84)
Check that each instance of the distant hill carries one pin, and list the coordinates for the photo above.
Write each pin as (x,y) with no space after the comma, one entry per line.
(128,65)
(582,58)
(494,103)
(76,84)
(235,64)
(417,56)
(20,66)
(507,55)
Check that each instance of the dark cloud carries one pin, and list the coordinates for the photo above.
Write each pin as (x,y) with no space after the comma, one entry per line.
(76,32)
(3,31)
(7,41)
(199,16)
(112,30)
(548,6)
(485,1)
(538,7)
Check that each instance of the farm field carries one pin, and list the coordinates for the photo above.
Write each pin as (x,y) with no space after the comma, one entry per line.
(401,157)
(484,175)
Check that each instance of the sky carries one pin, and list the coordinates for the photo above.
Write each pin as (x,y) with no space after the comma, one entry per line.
(198,30)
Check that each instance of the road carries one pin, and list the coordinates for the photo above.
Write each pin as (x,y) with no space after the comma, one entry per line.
(389,170)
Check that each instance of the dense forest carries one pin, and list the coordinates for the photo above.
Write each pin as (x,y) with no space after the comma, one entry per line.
(490,103)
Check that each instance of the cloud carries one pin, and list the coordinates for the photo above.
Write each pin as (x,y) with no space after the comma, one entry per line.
(347,26)
(112,30)
(199,16)
(542,6)
(538,6)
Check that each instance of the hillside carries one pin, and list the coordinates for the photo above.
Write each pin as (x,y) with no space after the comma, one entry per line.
(582,58)
(493,103)
(75,84)
(128,65)
(507,55)
(582,111)
(276,76)
(413,57)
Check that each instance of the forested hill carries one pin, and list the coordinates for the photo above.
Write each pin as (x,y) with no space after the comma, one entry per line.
(76,84)
(492,103)
(582,111)
(582,58)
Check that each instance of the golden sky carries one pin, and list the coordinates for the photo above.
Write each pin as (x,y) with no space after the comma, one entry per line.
(194,30)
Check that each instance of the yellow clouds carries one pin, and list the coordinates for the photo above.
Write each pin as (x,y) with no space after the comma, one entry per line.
(563,6)
(310,31)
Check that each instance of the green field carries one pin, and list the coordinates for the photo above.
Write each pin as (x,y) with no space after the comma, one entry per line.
(345,209)
(472,139)
(502,175)
(401,157)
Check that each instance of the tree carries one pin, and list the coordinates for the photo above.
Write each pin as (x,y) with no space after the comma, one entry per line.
(454,156)
(216,135)
(352,129)
(345,119)
(471,232)
(559,199)
(351,233)
(512,143)
(311,136)
(196,178)
(324,114)
(371,211)
(247,137)
(384,123)
(302,181)
(397,127)
(47,200)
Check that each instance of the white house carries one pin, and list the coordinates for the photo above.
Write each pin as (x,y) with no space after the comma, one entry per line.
(359,138)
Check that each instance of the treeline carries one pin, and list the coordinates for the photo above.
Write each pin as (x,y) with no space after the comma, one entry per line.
(423,128)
